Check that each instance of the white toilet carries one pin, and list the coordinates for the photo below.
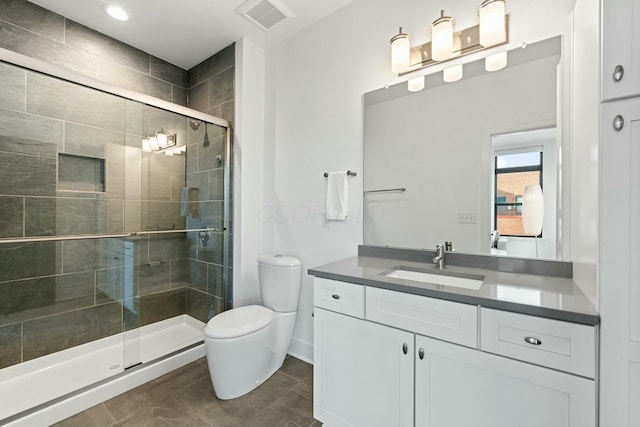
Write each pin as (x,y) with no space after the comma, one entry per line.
(246,345)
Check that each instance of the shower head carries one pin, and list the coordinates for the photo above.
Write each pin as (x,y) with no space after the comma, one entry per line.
(195,124)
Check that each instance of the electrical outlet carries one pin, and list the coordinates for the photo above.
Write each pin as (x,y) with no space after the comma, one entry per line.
(466,218)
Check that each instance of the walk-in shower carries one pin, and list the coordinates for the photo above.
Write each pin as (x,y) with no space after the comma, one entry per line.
(114,236)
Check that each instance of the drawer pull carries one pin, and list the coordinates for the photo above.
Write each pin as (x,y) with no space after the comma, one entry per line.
(618,73)
(618,122)
(405,348)
(421,353)
(335,296)
(533,341)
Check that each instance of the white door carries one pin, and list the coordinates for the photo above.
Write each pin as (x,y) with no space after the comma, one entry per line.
(461,387)
(363,373)
(620,265)
(621,43)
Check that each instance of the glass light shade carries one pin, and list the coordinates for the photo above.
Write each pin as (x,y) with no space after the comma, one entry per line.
(400,52)
(442,38)
(162,139)
(146,145)
(495,62)
(416,84)
(493,29)
(453,74)
(116,12)
(153,143)
(532,210)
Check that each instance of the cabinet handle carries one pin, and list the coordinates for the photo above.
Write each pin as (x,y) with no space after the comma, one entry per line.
(618,122)
(421,353)
(335,296)
(533,341)
(405,348)
(618,73)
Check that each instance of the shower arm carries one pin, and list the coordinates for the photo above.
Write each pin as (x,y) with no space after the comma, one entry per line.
(99,236)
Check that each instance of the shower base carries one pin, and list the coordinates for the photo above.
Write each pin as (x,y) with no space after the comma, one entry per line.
(53,387)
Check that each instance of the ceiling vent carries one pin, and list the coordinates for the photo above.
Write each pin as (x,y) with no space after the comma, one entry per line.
(264,13)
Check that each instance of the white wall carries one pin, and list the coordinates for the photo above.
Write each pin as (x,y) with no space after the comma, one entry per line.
(314,118)
(248,192)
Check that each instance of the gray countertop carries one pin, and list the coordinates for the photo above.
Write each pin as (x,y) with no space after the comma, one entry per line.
(543,296)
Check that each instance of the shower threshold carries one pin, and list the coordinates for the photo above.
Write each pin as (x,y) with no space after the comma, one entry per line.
(35,384)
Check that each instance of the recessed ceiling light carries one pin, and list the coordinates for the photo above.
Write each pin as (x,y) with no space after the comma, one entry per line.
(116,12)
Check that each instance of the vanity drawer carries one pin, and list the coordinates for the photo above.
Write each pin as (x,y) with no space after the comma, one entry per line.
(559,345)
(446,320)
(341,297)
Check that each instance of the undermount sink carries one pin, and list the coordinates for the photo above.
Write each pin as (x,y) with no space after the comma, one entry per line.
(436,277)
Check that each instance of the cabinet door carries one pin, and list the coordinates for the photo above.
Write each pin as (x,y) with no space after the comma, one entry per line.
(363,373)
(620,266)
(621,42)
(459,387)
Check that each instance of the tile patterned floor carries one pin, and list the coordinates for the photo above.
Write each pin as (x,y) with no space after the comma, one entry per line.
(185,397)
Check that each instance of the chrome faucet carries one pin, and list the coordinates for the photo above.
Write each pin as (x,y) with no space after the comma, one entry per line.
(439,258)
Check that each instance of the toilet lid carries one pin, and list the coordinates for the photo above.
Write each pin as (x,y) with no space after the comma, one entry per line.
(238,322)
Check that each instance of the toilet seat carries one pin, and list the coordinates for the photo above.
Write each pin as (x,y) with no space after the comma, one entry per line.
(238,322)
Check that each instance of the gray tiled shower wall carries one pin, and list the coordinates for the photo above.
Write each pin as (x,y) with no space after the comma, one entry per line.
(60,294)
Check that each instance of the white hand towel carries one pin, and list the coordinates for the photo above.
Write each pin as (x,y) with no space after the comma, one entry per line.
(337,205)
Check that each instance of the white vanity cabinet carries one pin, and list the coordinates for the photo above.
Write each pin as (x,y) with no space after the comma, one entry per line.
(457,386)
(363,371)
(621,43)
(619,266)
(386,358)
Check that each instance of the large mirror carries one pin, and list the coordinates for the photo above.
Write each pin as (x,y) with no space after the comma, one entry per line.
(452,162)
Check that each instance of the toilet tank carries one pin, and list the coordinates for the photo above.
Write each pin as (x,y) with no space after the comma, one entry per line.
(279,277)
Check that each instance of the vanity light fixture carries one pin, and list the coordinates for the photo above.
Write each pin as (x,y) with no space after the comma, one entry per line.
(116,12)
(416,84)
(442,38)
(452,74)
(491,31)
(159,141)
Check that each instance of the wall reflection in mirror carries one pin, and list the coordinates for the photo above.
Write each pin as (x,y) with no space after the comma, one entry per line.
(465,152)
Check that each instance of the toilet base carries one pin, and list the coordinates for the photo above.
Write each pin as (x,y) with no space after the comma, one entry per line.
(239,365)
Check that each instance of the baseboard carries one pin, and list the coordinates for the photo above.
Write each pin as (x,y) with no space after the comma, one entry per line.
(302,350)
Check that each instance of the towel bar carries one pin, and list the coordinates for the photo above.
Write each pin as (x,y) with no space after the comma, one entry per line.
(349,173)
(400,190)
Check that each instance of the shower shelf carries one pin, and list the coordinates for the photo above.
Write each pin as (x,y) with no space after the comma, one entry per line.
(99,236)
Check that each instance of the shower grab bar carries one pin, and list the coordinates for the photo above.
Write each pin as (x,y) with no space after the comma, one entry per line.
(98,236)
(389,190)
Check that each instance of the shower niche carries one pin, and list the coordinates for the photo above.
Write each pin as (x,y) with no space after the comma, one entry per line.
(80,173)
(104,200)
